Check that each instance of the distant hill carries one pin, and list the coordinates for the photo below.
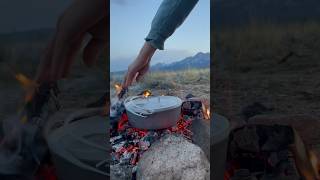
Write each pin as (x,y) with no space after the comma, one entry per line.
(242,12)
(198,61)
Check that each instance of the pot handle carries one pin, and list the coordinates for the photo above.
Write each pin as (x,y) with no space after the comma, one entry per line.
(145,111)
(137,114)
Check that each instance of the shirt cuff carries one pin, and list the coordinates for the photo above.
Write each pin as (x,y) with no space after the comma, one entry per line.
(156,40)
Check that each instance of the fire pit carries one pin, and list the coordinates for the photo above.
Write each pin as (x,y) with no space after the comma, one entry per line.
(129,142)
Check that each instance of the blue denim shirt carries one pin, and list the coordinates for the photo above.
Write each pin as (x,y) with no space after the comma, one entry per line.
(168,18)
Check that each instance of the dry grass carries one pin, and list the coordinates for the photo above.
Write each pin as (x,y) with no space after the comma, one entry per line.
(264,45)
(180,83)
(249,68)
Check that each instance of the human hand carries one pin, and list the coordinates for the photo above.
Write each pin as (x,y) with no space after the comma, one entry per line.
(81,18)
(140,65)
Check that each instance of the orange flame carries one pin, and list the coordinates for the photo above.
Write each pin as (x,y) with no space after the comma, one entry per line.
(314,162)
(146,93)
(27,84)
(118,88)
(206,112)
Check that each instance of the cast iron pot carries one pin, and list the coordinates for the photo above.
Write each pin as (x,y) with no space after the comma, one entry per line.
(155,112)
(79,145)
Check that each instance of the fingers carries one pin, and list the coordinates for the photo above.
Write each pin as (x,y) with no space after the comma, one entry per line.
(76,20)
(142,72)
(101,30)
(134,75)
(92,51)
(43,74)
(70,56)
(100,38)
(124,81)
(129,77)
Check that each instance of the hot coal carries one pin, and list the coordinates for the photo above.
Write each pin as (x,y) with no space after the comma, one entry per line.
(128,143)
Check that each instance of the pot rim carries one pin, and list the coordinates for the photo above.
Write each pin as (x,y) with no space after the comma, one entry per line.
(130,105)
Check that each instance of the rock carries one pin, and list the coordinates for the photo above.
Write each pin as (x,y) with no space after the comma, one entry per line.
(120,172)
(306,125)
(201,135)
(173,157)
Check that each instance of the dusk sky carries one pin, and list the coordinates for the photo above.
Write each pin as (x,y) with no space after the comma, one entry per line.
(131,21)
(20,15)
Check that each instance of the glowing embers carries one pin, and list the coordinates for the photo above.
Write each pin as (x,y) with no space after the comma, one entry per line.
(128,143)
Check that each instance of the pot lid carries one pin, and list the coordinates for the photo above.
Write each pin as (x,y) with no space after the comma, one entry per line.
(151,104)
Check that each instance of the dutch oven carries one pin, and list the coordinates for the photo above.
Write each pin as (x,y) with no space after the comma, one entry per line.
(78,144)
(153,112)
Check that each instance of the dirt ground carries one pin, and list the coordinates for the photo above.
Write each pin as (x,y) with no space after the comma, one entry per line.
(270,76)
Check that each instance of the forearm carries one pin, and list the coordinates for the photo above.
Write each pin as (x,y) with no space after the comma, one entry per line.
(146,53)
(168,18)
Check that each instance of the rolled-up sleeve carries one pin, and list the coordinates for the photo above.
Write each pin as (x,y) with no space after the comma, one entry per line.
(168,18)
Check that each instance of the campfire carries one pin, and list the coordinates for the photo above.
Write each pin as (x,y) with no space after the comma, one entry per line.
(129,143)
(46,170)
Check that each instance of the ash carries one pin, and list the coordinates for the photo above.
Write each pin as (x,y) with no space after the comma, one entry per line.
(129,144)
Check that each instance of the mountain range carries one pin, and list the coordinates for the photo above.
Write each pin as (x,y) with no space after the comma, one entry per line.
(199,61)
